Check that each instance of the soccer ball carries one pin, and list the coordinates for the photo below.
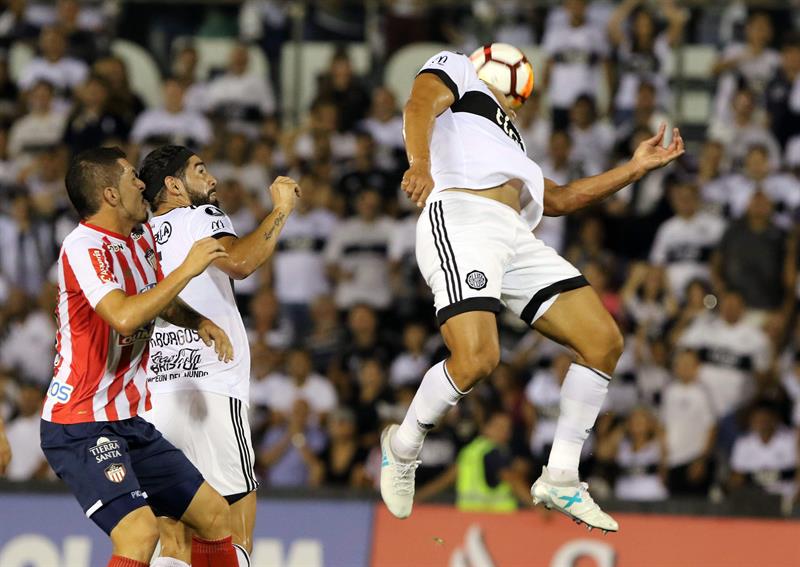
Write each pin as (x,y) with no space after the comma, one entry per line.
(506,68)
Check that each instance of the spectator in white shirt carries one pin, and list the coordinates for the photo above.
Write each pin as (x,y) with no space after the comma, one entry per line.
(28,460)
(385,125)
(240,97)
(28,248)
(734,353)
(298,263)
(42,126)
(279,391)
(577,53)
(642,52)
(759,174)
(52,65)
(750,64)
(684,243)
(358,258)
(592,138)
(28,345)
(173,123)
(689,420)
(636,452)
(767,455)
(409,366)
(742,129)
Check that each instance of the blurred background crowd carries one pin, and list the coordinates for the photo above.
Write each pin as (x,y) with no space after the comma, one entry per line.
(696,262)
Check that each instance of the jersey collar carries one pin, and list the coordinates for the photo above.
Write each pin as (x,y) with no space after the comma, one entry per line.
(103,230)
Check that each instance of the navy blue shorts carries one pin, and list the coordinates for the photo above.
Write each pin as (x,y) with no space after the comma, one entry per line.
(104,461)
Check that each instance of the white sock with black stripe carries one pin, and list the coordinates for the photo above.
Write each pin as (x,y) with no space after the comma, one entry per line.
(582,394)
(436,394)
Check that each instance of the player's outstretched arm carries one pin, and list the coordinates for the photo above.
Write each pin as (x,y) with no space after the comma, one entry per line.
(429,98)
(247,254)
(5,448)
(180,314)
(127,313)
(651,154)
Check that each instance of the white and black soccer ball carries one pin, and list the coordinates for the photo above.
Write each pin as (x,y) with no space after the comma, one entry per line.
(506,68)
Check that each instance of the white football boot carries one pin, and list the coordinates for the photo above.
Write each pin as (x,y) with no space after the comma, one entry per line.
(571,499)
(397,477)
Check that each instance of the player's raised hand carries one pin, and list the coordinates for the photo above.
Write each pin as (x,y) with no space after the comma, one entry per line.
(285,191)
(201,254)
(651,154)
(417,181)
(211,334)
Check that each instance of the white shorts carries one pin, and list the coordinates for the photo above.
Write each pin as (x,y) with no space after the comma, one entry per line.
(213,432)
(477,255)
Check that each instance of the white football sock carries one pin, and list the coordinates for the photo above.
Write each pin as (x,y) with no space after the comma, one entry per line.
(436,394)
(582,394)
(168,562)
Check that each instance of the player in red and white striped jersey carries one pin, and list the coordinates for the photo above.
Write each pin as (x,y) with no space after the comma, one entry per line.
(110,291)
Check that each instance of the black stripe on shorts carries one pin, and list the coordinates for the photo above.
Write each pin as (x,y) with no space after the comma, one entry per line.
(547,292)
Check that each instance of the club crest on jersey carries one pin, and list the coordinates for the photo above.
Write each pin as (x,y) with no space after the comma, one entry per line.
(115,472)
(101,267)
(150,256)
(476,279)
(163,234)
(213,211)
(105,449)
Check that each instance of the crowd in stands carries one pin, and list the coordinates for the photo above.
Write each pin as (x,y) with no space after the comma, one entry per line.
(697,262)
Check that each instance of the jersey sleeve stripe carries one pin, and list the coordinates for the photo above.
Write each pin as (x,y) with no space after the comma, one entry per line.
(133,395)
(445,78)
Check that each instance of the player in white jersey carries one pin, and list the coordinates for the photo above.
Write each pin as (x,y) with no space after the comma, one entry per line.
(199,404)
(482,198)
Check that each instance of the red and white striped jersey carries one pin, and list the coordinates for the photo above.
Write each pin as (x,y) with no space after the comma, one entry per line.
(100,375)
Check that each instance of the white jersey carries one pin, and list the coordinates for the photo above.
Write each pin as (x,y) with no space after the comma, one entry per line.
(179,360)
(474,143)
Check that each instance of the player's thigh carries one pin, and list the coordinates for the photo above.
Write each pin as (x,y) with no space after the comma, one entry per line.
(578,320)
(536,276)
(463,245)
(474,346)
(243,520)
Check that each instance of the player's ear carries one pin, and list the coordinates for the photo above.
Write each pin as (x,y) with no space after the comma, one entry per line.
(111,195)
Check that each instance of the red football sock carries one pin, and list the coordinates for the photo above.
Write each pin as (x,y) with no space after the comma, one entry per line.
(216,553)
(119,561)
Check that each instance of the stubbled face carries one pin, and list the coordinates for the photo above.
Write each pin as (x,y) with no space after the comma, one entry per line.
(201,186)
(131,199)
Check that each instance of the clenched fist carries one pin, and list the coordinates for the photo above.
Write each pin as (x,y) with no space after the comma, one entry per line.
(285,191)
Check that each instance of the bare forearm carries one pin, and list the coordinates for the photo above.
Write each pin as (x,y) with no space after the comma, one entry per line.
(181,315)
(250,252)
(418,120)
(129,313)
(564,199)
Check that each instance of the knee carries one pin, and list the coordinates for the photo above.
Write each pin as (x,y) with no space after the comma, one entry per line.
(469,366)
(137,539)
(216,519)
(604,347)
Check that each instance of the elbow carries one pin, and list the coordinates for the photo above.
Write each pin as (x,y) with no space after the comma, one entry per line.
(556,207)
(124,326)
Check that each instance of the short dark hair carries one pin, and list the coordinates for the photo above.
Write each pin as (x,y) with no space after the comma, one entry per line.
(153,168)
(89,172)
